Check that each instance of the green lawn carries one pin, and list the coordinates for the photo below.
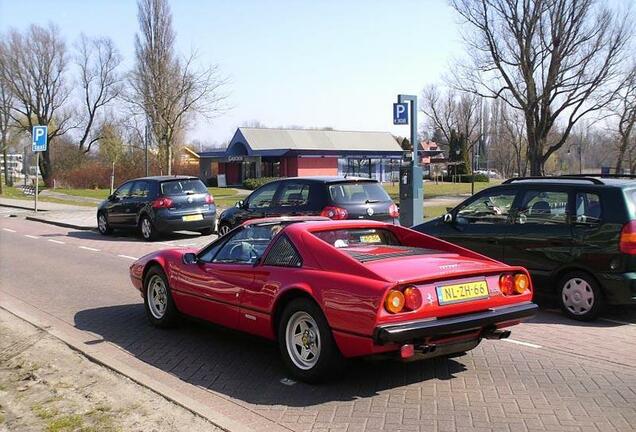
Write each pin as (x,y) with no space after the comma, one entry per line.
(432,190)
(90,193)
(15,193)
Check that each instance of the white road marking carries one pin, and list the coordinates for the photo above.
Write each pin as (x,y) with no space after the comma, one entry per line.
(31,236)
(528,344)
(8,229)
(287,381)
(56,241)
(616,321)
(127,257)
(89,248)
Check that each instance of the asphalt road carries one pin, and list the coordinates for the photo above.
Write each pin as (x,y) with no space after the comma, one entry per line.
(554,374)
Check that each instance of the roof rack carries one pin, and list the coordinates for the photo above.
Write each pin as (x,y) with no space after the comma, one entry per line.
(563,177)
(627,176)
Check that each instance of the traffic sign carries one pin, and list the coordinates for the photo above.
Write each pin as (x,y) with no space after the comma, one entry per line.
(400,113)
(40,136)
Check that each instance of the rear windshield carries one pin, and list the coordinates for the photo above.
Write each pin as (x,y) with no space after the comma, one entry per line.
(183,187)
(358,192)
(345,238)
(367,244)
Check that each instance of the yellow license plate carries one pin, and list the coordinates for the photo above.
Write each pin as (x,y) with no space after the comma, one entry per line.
(190,218)
(462,292)
(370,238)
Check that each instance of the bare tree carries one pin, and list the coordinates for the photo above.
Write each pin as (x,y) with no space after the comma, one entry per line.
(625,110)
(33,66)
(165,88)
(552,59)
(457,116)
(6,105)
(98,60)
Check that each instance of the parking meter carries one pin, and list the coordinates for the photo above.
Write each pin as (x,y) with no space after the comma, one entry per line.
(411,199)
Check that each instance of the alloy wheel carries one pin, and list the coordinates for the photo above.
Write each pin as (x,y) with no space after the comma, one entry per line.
(223,229)
(102,224)
(157,296)
(146,228)
(303,340)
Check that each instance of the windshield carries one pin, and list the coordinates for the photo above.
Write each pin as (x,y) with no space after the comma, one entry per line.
(183,187)
(358,192)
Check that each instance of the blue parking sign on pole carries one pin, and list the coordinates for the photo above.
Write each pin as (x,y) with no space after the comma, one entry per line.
(40,136)
(400,113)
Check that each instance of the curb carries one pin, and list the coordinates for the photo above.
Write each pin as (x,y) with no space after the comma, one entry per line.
(19,207)
(108,357)
(61,224)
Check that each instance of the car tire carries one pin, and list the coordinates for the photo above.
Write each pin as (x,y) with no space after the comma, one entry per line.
(160,308)
(102,224)
(206,231)
(147,229)
(224,228)
(580,296)
(306,343)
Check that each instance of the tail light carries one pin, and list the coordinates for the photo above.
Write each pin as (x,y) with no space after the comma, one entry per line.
(394,302)
(514,284)
(394,212)
(412,298)
(335,213)
(209,199)
(628,238)
(162,202)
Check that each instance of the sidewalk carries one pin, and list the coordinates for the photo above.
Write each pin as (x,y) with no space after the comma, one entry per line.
(82,218)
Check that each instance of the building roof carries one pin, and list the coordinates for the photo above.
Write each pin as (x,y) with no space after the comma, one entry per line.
(310,139)
(278,142)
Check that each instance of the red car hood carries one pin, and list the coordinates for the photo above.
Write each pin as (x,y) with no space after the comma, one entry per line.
(432,266)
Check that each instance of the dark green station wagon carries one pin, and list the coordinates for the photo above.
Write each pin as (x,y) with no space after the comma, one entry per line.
(575,234)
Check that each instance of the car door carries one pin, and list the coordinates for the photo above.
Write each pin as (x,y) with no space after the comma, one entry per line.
(138,198)
(261,202)
(540,236)
(481,223)
(115,208)
(292,199)
(210,288)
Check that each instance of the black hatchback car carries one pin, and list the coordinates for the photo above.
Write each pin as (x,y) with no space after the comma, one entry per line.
(333,197)
(576,235)
(156,205)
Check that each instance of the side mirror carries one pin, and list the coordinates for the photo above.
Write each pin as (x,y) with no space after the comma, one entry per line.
(240,204)
(190,258)
(448,218)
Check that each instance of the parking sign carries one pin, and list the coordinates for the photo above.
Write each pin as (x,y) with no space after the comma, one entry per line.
(40,136)
(400,113)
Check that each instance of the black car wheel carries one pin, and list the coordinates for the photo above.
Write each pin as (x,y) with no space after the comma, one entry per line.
(160,308)
(147,229)
(224,228)
(306,343)
(102,224)
(580,296)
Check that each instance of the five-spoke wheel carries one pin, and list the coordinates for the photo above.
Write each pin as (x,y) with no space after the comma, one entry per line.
(158,303)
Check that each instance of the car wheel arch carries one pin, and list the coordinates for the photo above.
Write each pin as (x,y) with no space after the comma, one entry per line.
(149,265)
(286,297)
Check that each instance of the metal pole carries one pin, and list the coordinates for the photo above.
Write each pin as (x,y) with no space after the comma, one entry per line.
(37,182)
(580,158)
(146,149)
(112,179)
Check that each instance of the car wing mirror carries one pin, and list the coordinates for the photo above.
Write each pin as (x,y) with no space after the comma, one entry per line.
(190,258)
(240,204)
(448,218)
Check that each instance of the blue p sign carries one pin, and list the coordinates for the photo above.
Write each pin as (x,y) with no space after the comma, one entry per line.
(40,135)
(400,113)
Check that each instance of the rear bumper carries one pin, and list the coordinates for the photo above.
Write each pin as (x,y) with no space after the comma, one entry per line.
(176,223)
(417,330)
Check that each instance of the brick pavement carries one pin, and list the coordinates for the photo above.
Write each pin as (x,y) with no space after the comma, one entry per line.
(582,378)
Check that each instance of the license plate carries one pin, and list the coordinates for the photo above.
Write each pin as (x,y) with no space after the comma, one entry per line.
(462,292)
(190,218)
(370,238)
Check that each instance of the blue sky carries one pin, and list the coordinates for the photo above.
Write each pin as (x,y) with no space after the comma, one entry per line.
(307,63)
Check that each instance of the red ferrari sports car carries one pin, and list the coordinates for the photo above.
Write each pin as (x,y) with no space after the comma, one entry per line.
(331,289)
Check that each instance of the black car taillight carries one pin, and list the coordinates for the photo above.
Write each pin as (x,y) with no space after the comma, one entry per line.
(162,202)
(628,238)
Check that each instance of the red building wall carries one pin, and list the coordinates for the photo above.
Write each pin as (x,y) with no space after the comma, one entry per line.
(317,166)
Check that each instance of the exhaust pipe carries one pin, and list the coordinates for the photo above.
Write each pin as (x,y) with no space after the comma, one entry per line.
(497,334)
